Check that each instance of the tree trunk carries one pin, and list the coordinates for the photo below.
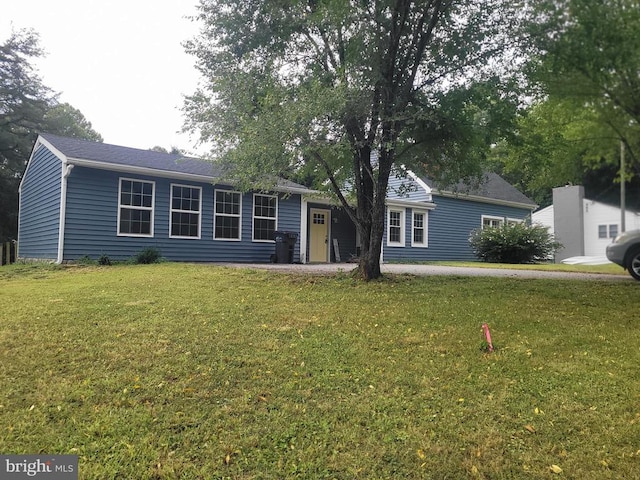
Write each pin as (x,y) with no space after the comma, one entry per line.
(371,234)
(369,267)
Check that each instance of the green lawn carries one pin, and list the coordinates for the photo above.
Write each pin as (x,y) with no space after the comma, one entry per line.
(188,371)
(609,268)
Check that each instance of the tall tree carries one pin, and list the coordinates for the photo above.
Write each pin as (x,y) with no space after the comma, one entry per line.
(23,103)
(345,90)
(557,141)
(66,120)
(588,73)
(27,107)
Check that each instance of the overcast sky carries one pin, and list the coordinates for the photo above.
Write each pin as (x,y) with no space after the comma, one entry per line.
(120,62)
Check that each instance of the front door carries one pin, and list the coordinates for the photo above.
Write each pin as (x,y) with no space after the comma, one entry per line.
(319,235)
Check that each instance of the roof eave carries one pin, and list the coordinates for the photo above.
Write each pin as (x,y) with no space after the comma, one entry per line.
(139,170)
(478,198)
(154,172)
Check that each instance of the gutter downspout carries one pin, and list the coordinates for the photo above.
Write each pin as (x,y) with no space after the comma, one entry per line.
(66,170)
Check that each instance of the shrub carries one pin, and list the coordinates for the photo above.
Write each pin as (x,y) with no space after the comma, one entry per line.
(148,255)
(104,260)
(517,243)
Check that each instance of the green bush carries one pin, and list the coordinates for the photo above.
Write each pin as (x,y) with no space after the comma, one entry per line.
(104,260)
(517,243)
(148,255)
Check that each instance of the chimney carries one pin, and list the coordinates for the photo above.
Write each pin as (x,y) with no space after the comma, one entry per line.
(568,220)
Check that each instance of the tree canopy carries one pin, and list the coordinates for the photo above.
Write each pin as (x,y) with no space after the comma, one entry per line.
(587,74)
(27,107)
(341,91)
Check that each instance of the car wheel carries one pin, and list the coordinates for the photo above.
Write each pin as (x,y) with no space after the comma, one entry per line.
(633,263)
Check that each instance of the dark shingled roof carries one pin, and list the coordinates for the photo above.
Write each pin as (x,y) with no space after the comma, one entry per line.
(134,157)
(491,186)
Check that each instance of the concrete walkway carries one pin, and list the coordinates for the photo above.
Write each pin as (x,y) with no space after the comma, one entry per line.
(428,270)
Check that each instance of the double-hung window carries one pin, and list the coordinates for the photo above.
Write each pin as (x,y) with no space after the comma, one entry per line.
(395,227)
(492,222)
(135,208)
(186,204)
(611,232)
(602,231)
(265,217)
(419,227)
(227,215)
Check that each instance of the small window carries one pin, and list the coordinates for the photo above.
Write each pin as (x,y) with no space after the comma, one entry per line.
(395,228)
(265,217)
(135,208)
(613,231)
(492,222)
(602,231)
(227,215)
(185,211)
(419,235)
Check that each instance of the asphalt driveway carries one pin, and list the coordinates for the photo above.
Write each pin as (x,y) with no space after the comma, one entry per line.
(424,270)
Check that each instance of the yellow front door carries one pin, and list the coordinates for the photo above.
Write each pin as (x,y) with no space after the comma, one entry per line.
(319,236)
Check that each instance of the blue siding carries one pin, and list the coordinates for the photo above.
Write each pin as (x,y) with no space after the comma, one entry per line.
(405,188)
(449,226)
(92,213)
(39,216)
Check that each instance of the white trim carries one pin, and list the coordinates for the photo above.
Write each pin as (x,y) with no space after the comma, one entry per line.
(42,142)
(152,209)
(425,228)
(171,210)
(304,219)
(491,217)
(419,181)
(492,201)
(238,216)
(402,226)
(65,172)
(253,217)
(172,174)
(513,221)
(131,169)
(410,204)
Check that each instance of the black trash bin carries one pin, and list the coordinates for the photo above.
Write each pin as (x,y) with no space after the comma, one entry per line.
(285,246)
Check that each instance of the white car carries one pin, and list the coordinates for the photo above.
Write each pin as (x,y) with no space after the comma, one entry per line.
(625,251)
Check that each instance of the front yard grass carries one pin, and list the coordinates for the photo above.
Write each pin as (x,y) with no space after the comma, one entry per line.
(608,268)
(201,372)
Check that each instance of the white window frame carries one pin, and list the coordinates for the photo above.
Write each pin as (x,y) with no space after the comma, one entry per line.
(402,227)
(492,218)
(216,215)
(132,207)
(514,221)
(603,232)
(172,210)
(254,217)
(425,229)
(611,232)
